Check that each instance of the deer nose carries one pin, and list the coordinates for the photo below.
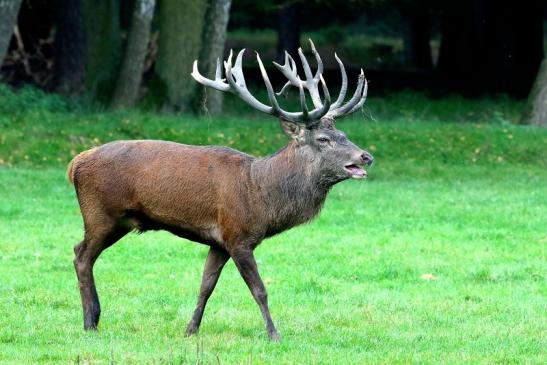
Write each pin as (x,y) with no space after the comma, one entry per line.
(367,158)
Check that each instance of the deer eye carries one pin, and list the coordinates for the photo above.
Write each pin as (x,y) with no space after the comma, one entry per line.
(323,139)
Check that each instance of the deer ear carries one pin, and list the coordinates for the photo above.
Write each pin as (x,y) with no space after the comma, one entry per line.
(294,130)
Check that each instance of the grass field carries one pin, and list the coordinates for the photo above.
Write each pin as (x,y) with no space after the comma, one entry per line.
(438,258)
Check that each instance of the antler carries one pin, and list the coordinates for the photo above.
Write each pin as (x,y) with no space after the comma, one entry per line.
(235,83)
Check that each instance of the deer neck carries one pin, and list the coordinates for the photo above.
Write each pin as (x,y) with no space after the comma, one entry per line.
(290,186)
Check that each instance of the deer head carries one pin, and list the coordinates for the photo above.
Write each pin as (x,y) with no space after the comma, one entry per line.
(313,132)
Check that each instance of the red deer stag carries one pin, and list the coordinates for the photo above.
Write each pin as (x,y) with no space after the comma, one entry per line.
(218,196)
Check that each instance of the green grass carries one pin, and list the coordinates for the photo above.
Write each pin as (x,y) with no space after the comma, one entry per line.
(438,258)
(43,131)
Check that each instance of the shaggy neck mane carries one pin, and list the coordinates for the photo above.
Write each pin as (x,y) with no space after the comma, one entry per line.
(290,184)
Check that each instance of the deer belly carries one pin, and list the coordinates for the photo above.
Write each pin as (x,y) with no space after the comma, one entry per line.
(208,233)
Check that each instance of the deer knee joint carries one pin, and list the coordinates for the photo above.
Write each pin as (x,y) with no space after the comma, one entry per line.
(261,296)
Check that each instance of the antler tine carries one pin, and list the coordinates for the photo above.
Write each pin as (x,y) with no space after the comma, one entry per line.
(302,99)
(236,81)
(284,89)
(318,113)
(289,71)
(269,88)
(311,82)
(228,64)
(357,96)
(218,72)
(362,101)
(305,64)
(217,84)
(344,86)
(319,71)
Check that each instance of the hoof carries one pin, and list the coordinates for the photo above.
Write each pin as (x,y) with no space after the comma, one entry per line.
(274,337)
(191,330)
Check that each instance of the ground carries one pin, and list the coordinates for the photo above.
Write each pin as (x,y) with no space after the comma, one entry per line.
(439,257)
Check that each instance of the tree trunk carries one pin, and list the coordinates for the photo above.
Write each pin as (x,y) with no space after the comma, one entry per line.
(129,79)
(213,41)
(288,31)
(536,110)
(181,26)
(528,46)
(417,36)
(104,47)
(8,18)
(69,48)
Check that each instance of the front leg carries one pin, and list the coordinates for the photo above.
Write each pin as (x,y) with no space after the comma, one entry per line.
(213,267)
(246,264)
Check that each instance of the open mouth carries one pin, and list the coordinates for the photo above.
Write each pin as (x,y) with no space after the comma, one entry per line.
(356,172)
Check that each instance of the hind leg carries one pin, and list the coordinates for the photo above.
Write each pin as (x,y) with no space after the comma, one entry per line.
(98,237)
